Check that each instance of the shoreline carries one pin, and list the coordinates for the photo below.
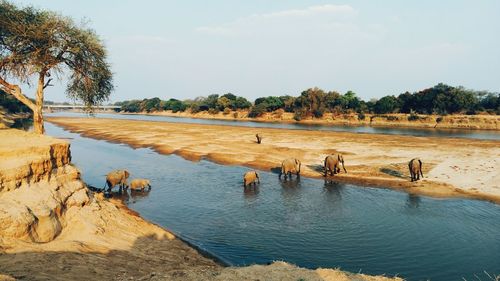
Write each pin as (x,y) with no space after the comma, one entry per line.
(212,144)
(450,122)
(53,227)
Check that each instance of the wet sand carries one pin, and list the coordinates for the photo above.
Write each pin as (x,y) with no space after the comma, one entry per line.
(452,167)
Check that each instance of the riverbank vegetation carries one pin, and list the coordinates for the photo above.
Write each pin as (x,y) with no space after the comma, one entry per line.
(441,99)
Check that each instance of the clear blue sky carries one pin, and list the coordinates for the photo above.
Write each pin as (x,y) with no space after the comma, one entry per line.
(184,49)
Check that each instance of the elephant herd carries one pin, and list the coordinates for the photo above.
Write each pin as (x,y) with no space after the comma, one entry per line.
(120,177)
(331,165)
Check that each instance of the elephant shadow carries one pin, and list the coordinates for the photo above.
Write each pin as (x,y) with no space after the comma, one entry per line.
(317,168)
(392,172)
(276,170)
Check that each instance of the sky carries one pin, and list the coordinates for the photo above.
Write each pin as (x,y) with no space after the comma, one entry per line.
(184,49)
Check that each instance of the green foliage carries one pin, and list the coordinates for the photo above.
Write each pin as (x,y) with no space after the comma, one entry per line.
(38,43)
(387,104)
(241,103)
(257,110)
(152,105)
(441,99)
(271,103)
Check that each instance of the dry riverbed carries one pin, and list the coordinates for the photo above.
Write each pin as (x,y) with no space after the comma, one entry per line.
(452,167)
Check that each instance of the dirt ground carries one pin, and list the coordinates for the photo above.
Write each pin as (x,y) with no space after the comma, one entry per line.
(452,167)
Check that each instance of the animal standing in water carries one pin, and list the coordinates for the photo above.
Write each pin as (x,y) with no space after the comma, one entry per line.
(289,166)
(332,164)
(415,167)
(259,138)
(117,177)
(251,177)
(140,184)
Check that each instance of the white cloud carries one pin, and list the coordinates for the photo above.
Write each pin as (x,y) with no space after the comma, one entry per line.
(285,19)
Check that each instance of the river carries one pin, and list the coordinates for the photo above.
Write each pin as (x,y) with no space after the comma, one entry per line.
(454,133)
(311,223)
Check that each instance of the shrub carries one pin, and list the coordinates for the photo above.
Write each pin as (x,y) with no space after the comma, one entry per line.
(361,116)
(413,116)
(235,114)
(318,113)
(227,110)
(391,118)
(213,111)
(297,116)
(257,110)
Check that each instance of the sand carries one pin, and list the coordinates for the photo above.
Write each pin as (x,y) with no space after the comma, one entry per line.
(452,167)
(53,228)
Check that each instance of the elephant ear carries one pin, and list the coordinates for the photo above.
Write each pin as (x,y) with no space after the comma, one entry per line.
(127,174)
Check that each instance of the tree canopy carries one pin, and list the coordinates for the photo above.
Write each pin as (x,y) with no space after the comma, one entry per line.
(40,45)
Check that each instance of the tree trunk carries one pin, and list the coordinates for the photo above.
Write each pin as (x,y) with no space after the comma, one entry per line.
(38,110)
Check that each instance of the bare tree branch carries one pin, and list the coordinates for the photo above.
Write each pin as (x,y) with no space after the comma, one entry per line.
(48,83)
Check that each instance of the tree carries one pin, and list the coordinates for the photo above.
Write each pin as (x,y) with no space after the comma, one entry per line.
(387,104)
(36,44)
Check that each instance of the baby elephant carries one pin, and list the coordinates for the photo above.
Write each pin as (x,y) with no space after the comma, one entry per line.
(332,164)
(289,166)
(117,177)
(140,184)
(251,177)
(415,167)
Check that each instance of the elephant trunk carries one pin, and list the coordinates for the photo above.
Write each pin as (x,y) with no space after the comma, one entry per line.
(343,166)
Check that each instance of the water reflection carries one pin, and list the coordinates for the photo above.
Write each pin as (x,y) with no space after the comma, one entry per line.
(413,201)
(333,190)
(137,195)
(290,184)
(250,191)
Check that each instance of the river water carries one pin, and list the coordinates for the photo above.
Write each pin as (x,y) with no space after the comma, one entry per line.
(311,223)
(454,133)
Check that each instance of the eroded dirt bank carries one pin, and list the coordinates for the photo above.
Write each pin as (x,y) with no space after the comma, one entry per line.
(452,167)
(53,228)
(455,121)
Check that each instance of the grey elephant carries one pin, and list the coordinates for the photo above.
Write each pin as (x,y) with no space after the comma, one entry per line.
(415,167)
(251,177)
(117,177)
(289,166)
(140,184)
(332,164)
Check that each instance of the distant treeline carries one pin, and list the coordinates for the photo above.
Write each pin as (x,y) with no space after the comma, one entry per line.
(440,99)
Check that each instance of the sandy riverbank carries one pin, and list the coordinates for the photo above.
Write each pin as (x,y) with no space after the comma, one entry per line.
(452,167)
(53,228)
(457,121)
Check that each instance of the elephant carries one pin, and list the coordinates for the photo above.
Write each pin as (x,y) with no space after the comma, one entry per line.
(117,177)
(259,138)
(289,166)
(415,166)
(139,184)
(332,164)
(251,177)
